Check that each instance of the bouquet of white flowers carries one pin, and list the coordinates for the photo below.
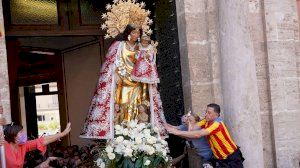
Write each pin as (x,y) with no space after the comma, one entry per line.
(135,146)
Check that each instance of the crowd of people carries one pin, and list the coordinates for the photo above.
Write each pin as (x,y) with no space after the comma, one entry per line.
(58,156)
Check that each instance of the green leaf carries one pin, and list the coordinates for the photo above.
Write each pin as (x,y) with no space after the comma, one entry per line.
(112,164)
(144,160)
(128,163)
(157,161)
(125,163)
(120,165)
(139,163)
(118,157)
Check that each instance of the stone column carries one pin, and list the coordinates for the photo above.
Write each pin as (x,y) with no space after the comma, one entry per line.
(180,11)
(4,86)
(239,81)
(282,40)
(256,21)
(199,53)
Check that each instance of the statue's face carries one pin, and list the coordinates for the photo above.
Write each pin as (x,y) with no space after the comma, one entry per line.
(117,107)
(135,34)
(144,43)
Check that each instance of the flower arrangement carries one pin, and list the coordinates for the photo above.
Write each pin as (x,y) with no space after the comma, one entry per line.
(134,146)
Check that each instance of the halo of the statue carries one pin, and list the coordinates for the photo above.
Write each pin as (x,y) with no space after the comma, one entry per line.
(124,12)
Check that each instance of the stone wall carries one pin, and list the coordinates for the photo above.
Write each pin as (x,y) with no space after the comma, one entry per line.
(239,81)
(282,41)
(4,87)
(199,49)
(245,55)
(256,23)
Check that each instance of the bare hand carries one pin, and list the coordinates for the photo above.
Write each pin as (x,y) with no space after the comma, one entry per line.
(118,79)
(170,129)
(2,121)
(52,158)
(147,56)
(166,125)
(67,129)
(45,164)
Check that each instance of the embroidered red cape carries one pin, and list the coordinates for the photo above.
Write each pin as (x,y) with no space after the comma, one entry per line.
(99,120)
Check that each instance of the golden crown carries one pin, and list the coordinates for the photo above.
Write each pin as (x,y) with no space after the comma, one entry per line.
(124,12)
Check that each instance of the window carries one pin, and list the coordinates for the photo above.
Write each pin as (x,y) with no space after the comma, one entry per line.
(32,17)
(36,12)
(41,118)
(47,108)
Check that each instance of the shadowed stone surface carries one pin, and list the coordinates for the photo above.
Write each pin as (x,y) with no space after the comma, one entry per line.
(4,87)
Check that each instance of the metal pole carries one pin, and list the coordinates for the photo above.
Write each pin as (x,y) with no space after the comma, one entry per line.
(2,151)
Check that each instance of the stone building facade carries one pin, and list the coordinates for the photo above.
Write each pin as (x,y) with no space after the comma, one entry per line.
(244,55)
(4,85)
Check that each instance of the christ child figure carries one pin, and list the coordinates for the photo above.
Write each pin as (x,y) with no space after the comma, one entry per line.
(145,69)
(118,115)
(143,116)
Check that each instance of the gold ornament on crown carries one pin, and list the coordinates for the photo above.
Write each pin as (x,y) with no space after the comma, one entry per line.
(124,12)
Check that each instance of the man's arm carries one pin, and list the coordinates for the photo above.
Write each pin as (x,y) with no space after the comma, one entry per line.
(173,126)
(45,164)
(188,134)
(55,137)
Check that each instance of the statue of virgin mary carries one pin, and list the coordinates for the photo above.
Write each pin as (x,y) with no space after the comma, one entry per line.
(118,97)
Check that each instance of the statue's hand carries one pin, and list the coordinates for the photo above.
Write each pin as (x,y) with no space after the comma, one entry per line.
(137,48)
(147,56)
(118,79)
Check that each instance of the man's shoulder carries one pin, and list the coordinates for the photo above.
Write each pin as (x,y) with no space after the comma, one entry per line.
(219,120)
(202,122)
(182,128)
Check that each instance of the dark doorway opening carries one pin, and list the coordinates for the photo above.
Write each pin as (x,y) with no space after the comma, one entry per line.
(41,102)
(35,72)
